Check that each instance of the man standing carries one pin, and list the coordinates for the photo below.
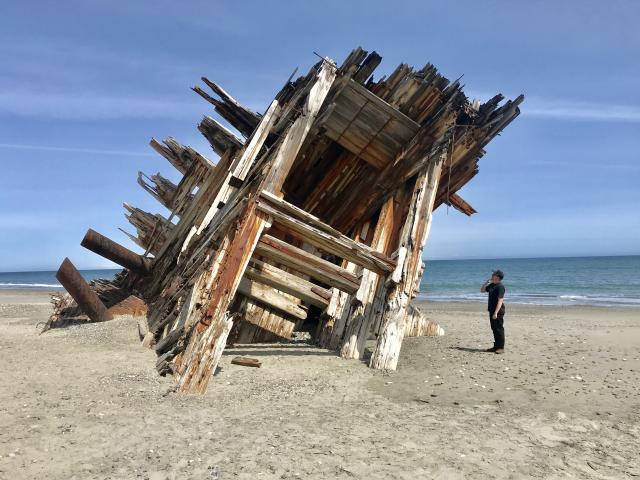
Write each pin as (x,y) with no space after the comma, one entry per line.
(495,289)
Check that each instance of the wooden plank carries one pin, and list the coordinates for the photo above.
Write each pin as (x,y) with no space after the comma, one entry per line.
(261,324)
(304,262)
(270,297)
(309,228)
(242,118)
(370,97)
(289,283)
(459,203)
(220,138)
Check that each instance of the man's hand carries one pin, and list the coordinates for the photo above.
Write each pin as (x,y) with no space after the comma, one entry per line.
(494,316)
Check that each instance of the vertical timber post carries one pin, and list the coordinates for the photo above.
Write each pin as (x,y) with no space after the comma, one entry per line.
(360,316)
(412,240)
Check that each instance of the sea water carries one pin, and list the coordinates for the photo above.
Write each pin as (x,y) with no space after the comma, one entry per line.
(605,281)
(45,280)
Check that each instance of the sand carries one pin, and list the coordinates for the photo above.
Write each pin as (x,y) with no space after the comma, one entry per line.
(563,402)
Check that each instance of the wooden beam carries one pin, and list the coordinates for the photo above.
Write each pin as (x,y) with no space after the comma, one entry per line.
(240,117)
(310,229)
(304,262)
(240,166)
(288,283)
(220,138)
(248,116)
(459,203)
(260,324)
(182,157)
(270,297)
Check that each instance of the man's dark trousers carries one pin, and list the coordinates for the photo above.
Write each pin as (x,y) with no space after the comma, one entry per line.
(497,327)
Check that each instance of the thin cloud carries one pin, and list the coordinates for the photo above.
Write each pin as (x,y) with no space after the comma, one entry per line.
(541,107)
(30,220)
(95,151)
(581,111)
(86,106)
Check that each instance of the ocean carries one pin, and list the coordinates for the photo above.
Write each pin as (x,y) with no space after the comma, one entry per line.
(603,281)
(45,280)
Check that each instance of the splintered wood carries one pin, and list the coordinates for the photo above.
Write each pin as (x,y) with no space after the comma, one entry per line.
(314,217)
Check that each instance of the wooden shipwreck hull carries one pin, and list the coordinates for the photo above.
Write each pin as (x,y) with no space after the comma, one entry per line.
(316,213)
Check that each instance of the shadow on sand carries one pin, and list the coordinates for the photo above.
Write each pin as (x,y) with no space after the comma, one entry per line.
(467,349)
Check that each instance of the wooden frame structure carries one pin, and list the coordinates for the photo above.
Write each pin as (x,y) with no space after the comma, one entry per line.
(317,211)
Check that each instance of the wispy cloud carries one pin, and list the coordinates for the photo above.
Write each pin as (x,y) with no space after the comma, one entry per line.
(96,151)
(87,106)
(551,108)
(30,220)
(581,111)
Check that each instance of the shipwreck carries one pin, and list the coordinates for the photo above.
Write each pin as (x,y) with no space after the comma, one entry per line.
(315,213)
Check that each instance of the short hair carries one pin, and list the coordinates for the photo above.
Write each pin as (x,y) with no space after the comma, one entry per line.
(499,274)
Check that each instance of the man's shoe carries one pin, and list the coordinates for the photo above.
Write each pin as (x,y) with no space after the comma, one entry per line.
(499,351)
(492,350)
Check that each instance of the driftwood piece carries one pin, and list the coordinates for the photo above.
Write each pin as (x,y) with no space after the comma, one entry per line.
(246,362)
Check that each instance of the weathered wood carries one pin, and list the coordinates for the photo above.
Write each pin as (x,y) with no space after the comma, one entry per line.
(239,168)
(209,335)
(152,229)
(286,282)
(220,138)
(360,317)
(260,324)
(417,325)
(459,203)
(207,341)
(180,156)
(414,235)
(246,362)
(270,297)
(244,119)
(303,262)
(311,229)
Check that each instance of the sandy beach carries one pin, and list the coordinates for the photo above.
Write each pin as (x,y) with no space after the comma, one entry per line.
(563,402)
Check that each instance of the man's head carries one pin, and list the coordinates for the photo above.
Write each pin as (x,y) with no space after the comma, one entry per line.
(497,276)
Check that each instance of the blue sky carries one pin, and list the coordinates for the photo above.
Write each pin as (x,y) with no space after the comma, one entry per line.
(85,84)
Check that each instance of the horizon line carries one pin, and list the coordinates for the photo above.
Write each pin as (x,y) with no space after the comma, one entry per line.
(427,260)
